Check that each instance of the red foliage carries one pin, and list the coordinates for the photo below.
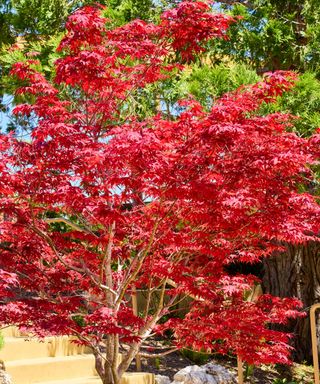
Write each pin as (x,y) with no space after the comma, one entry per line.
(190,25)
(94,204)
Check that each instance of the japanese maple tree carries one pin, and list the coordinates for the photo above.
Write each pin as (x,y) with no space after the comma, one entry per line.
(99,203)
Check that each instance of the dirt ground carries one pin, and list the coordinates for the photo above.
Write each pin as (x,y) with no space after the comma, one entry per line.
(170,364)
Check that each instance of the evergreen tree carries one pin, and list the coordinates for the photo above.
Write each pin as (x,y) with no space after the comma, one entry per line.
(273,34)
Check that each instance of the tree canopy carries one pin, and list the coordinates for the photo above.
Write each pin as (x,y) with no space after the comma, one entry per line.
(100,201)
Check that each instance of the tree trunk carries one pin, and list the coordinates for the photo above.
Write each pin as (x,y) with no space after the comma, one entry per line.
(108,377)
(296,273)
(106,363)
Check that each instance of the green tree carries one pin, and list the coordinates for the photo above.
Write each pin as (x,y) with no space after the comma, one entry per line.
(32,18)
(273,34)
(36,19)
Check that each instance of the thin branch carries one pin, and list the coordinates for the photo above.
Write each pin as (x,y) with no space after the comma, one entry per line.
(138,259)
(49,241)
(143,334)
(95,281)
(154,355)
(71,224)
(173,284)
(148,301)
(106,270)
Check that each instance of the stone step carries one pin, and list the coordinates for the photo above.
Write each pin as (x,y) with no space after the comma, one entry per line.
(137,378)
(54,360)
(128,378)
(29,371)
(10,331)
(18,348)
(83,380)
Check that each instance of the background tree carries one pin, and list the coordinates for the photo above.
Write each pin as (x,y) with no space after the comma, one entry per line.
(274,34)
(37,19)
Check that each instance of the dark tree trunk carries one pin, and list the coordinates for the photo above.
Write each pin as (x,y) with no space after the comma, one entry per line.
(296,273)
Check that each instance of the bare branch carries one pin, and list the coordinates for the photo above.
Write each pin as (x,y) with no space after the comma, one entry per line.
(153,355)
(95,280)
(49,241)
(138,260)
(71,224)
(106,270)
(173,284)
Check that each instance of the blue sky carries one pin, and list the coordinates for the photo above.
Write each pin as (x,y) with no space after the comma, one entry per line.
(4,118)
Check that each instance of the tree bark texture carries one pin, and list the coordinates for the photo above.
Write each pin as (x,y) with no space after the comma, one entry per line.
(296,273)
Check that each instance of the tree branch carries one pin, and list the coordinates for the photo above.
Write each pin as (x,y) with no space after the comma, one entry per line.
(48,240)
(153,355)
(71,224)
(106,270)
(131,275)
